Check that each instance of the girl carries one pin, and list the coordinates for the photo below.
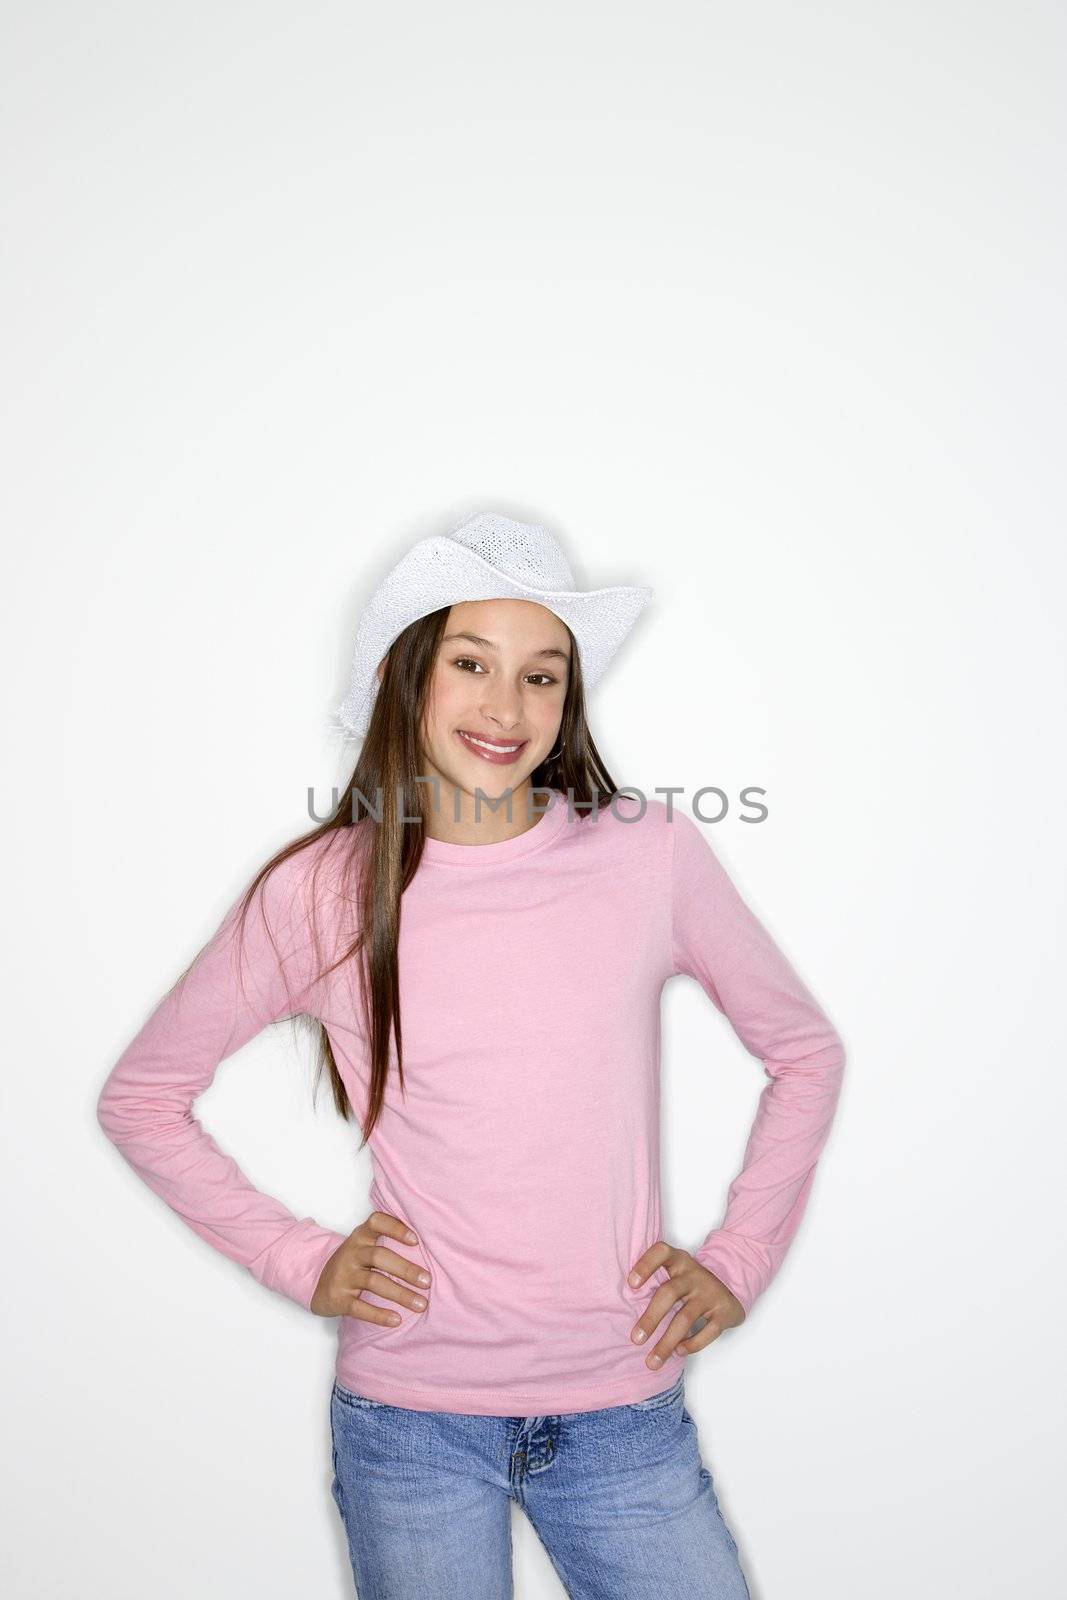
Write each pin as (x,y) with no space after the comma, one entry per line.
(481,933)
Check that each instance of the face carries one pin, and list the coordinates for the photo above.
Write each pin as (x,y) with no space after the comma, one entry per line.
(500,677)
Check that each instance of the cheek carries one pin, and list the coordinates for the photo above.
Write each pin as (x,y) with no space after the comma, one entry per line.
(445,701)
(548,712)
(448,700)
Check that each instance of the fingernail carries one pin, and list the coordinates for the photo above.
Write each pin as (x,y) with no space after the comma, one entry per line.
(419,1303)
(635,1278)
(395,1317)
(412,1238)
(655,1361)
(424,1277)
(638,1335)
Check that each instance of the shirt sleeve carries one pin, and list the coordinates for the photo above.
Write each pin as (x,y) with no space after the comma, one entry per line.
(236,986)
(719,941)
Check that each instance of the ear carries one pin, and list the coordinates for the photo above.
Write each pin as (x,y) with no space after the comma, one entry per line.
(381,666)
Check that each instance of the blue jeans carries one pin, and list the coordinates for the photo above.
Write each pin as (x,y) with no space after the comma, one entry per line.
(619,1498)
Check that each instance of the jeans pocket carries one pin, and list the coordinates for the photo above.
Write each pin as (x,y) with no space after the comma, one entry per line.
(708,1482)
(358,1402)
(664,1398)
(335,1483)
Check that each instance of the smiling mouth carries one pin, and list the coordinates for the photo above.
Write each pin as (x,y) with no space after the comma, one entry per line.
(493,747)
(493,744)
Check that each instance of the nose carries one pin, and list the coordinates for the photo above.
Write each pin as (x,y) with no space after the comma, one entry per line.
(503,708)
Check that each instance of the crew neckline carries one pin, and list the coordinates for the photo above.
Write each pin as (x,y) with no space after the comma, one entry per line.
(446,852)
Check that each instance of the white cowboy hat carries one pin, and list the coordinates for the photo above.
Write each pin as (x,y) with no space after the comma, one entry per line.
(487,557)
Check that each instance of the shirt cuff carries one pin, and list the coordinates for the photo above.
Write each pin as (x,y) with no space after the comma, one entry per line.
(293,1264)
(734,1263)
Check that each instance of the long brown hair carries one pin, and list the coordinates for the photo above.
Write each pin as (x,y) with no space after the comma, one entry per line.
(384,854)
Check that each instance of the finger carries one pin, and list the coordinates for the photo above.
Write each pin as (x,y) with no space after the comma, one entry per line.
(384,1222)
(389,1289)
(665,1299)
(657,1255)
(387,1260)
(708,1330)
(363,1311)
(677,1331)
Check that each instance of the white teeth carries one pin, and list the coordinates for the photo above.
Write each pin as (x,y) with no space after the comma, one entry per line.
(502,749)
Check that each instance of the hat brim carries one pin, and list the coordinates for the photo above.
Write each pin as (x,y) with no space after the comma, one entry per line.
(437,572)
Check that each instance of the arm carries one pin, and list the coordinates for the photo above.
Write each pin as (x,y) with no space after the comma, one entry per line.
(234,988)
(719,941)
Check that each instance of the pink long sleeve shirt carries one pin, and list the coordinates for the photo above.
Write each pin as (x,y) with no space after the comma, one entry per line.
(525,1150)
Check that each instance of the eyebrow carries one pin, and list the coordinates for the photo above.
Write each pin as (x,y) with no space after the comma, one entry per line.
(488,644)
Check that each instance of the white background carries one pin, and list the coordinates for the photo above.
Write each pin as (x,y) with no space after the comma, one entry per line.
(760,305)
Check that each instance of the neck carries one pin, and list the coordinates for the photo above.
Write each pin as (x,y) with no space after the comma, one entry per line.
(461,816)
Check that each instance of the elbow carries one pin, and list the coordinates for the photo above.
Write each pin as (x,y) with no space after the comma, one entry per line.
(818,1070)
(131,1117)
(834,1068)
(108,1115)
(831,1058)
(124,1113)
